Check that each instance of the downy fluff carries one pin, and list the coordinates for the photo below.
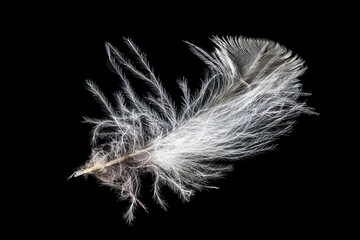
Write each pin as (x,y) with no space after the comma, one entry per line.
(248,98)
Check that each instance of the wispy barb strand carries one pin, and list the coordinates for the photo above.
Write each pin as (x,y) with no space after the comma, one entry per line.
(249,97)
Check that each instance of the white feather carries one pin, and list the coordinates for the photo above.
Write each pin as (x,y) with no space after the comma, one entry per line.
(249,98)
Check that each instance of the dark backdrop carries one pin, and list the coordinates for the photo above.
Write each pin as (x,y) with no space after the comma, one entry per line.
(286,192)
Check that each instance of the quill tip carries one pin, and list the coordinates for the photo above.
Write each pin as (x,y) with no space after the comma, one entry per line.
(76,174)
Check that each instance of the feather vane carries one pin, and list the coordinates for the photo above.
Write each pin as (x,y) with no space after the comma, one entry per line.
(249,97)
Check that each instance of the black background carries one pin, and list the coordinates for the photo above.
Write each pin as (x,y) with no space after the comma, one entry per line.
(287,192)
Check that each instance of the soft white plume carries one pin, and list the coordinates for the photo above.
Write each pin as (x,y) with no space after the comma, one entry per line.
(249,98)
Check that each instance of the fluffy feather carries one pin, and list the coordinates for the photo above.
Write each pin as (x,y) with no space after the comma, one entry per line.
(249,97)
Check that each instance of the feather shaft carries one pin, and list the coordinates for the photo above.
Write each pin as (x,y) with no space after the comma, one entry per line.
(109,163)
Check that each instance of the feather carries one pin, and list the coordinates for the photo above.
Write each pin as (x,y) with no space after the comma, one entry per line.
(250,96)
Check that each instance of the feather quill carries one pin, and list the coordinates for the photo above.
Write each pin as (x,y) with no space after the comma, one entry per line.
(249,98)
